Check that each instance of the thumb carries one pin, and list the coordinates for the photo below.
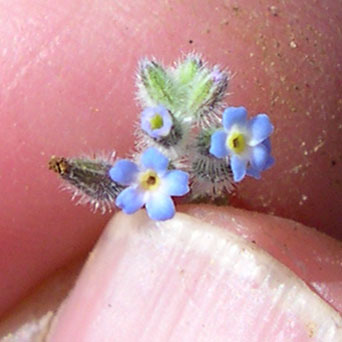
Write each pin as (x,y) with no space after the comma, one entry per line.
(187,280)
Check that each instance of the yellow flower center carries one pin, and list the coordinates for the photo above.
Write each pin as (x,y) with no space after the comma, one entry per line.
(156,122)
(149,180)
(236,142)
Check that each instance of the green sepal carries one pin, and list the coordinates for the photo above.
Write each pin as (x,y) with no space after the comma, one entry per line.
(158,85)
(186,71)
(201,91)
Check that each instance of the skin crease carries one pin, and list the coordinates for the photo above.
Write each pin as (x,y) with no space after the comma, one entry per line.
(67,88)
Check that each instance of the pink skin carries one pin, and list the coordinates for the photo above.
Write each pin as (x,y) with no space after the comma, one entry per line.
(183,280)
(67,88)
(311,255)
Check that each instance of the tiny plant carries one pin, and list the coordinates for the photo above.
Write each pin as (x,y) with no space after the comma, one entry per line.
(188,143)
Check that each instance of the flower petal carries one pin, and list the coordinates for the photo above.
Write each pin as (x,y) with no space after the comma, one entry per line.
(176,183)
(124,172)
(259,157)
(218,146)
(146,115)
(234,116)
(153,159)
(267,144)
(130,200)
(260,128)
(238,166)
(269,162)
(160,207)
(253,172)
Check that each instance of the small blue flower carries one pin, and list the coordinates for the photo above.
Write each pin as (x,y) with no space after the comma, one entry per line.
(150,184)
(246,142)
(156,121)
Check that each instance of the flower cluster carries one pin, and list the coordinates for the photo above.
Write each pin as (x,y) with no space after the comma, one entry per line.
(181,146)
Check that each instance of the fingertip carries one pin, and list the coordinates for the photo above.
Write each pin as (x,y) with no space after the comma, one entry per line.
(146,280)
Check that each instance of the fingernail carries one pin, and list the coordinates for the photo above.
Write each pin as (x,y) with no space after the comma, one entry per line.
(186,280)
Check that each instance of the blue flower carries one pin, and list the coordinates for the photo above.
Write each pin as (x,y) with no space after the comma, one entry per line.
(149,184)
(156,121)
(246,142)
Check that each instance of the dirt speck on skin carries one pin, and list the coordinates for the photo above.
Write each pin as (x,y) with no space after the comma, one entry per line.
(293,44)
(319,145)
(236,9)
(296,169)
(274,10)
(311,329)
